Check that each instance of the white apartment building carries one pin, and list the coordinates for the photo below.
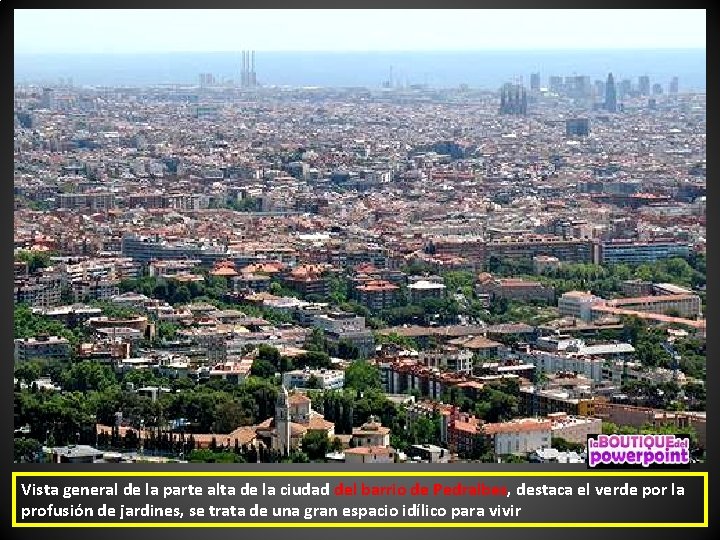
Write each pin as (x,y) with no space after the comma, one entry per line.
(327,379)
(519,436)
(549,362)
(448,359)
(578,304)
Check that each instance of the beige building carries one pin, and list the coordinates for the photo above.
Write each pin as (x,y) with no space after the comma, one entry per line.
(574,429)
(369,454)
(680,305)
(372,434)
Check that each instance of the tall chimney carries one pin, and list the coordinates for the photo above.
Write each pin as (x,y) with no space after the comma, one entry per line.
(253,80)
(246,63)
(242,70)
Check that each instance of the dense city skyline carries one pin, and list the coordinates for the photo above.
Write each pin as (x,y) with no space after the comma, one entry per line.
(441,258)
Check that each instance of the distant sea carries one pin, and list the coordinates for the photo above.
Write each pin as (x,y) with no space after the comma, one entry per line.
(477,69)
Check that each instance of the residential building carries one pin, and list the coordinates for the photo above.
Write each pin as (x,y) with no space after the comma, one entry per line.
(378,295)
(425,290)
(234,371)
(516,289)
(574,429)
(519,436)
(429,453)
(325,379)
(577,304)
(42,347)
(363,454)
(454,359)
(635,252)
(678,305)
(541,402)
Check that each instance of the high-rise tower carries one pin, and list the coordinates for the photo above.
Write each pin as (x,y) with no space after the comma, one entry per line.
(644,85)
(282,421)
(534,82)
(610,94)
(674,85)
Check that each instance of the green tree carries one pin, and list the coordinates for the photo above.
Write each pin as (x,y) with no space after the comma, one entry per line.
(211,456)
(27,450)
(316,341)
(314,360)
(608,428)
(36,259)
(298,457)
(262,368)
(459,281)
(339,288)
(230,414)
(87,375)
(28,372)
(348,350)
(566,446)
(181,296)
(316,445)
(362,376)
(166,330)
(402,341)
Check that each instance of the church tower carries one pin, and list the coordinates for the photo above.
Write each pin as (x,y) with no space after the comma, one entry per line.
(282,421)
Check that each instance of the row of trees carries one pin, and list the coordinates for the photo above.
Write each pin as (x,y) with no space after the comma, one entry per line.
(175,292)
(606,280)
(649,350)
(28,324)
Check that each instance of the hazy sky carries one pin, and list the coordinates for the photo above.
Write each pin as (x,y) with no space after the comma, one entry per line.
(129,31)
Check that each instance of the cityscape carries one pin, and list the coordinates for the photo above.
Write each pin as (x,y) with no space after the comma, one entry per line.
(231,270)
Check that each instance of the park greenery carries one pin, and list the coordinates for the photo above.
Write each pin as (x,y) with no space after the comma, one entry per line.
(92,393)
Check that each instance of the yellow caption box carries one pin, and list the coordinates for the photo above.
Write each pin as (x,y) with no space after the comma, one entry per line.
(364,474)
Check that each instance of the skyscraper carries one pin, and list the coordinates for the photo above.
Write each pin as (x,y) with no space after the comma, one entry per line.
(556,84)
(610,94)
(599,89)
(674,85)
(625,88)
(206,79)
(644,85)
(534,82)
(48,99)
